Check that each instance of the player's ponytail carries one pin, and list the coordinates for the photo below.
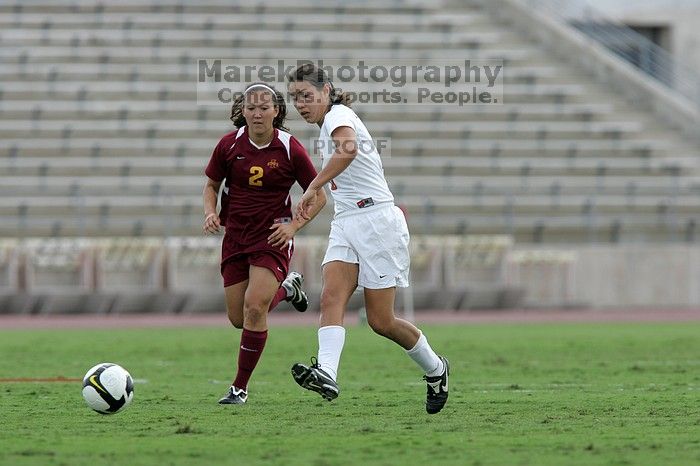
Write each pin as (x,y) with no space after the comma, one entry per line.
(318,78)
(338,96)
(238,103)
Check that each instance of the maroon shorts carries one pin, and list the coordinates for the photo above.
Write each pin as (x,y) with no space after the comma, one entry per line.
(236,269)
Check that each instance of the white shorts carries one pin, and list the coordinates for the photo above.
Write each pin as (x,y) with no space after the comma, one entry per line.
(377,240)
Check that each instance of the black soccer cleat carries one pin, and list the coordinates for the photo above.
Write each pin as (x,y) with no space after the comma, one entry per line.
(315,379)
(235,396)
(437,389)
(295,294)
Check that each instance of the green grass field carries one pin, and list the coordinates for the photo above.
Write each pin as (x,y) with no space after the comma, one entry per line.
(545,394)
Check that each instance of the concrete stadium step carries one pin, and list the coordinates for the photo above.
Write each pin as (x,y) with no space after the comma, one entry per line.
(128,22)
(570,148)
(58,71)
(148,55)
(130,225)
(401,185)
(71,186)
(112,89)
(417,40)
(539,167)
(174,205)
(666,184)
(153,166)
(549,130)
(95,9)
(524,228)
(188,72)
(564,229)
(381,96)
(417,148)
(34,110)
(526,204)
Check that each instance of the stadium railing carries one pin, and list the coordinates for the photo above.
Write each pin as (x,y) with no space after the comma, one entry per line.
(176,275)
(131,273)
(59,273)
(546,277)
(543,20)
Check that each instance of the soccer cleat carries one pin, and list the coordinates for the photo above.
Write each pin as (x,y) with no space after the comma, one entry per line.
(295,294)
(235,396)
(315,379)
(437,389)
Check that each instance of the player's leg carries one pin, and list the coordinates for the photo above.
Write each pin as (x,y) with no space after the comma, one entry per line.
(339,282)
(234,302)
(379,304)
(235,275)
(384,265)
(262,286)
(290,290)
(380,316)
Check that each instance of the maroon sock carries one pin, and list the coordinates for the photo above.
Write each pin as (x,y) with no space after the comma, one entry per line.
(281,295)
(252,345)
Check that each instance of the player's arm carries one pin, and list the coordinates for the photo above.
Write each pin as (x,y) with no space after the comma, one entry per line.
(305,174)
(345,141)
(210,194)
(321,200)
(282,233)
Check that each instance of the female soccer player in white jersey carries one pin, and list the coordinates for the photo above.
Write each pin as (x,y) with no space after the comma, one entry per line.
(368,243)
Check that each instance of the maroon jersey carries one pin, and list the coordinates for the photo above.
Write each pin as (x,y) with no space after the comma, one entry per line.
(258,182)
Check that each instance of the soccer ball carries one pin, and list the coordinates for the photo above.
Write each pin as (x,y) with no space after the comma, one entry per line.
(108,388)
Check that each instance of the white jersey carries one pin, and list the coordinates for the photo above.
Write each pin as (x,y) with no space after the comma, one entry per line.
(362,183)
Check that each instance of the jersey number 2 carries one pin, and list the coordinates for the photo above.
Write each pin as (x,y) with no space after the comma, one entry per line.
(255,174)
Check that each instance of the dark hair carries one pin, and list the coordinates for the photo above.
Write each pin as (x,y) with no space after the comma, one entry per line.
(317,77)
(238,103)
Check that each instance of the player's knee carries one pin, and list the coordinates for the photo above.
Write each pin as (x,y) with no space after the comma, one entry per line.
(254,312)
(330,301)
(237,322)
(236,319)
(381,326)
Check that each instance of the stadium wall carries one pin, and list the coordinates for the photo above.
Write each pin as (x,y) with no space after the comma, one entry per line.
(622,276)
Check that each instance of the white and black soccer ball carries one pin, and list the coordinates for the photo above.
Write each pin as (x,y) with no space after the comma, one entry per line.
(108,388)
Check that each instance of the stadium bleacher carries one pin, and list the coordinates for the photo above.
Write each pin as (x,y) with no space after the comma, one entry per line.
(98,99)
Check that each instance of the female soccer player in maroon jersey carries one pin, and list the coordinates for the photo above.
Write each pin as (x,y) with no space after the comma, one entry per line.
(260,162)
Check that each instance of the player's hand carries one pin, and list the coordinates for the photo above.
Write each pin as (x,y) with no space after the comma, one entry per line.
(307,201)
(212,224)
(282,234)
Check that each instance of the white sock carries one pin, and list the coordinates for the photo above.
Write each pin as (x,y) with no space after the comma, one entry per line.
(330,345)
(425,357)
